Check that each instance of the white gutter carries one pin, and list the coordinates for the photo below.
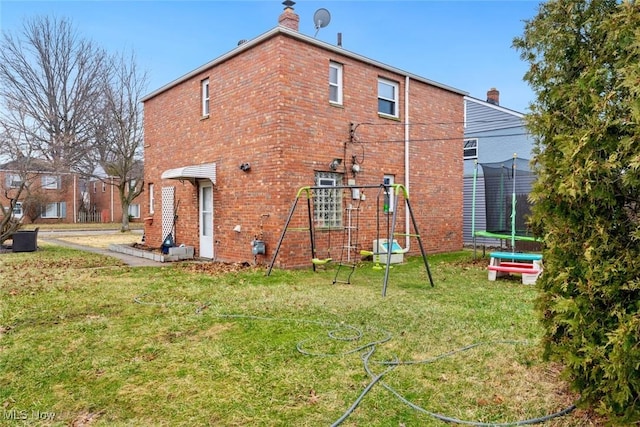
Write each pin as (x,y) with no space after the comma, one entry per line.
(75,201)
(407,223)
(112,200)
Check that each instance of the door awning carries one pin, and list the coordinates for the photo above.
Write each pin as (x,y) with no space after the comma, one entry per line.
(192,172)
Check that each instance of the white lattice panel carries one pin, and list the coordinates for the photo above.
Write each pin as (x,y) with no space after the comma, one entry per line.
(168,199)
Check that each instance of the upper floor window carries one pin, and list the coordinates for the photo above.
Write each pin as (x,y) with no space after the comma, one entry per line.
(50,182)
(470,148)
(205,97)
(335,83)
(13,180)
(388,97)
(327,203)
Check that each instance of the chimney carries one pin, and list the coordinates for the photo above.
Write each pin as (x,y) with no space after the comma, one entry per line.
(289,18)
(493,96)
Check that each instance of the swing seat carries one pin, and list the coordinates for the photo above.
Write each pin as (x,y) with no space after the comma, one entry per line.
(399,251)
(318,261)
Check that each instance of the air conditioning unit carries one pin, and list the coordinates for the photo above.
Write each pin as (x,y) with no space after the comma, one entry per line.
(381,247)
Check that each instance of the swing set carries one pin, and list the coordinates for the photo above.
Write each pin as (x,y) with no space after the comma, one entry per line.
(350,250)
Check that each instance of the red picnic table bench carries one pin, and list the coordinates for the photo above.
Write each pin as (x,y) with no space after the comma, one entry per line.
(529,265)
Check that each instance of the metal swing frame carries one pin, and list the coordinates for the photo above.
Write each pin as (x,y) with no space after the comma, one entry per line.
(397,189)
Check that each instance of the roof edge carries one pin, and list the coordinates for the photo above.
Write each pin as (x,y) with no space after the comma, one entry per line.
(495,107)
(307,39)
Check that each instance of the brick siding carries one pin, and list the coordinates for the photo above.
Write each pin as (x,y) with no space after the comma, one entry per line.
(269,107)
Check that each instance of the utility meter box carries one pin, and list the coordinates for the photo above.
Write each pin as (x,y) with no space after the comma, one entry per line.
(258,247)
(381,247)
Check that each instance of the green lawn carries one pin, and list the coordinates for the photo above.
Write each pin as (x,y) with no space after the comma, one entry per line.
(87,341)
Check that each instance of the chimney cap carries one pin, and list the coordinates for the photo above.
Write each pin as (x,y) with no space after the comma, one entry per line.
(288,4)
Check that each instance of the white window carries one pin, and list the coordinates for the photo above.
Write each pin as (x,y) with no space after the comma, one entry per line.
(50,182)
(104,187)
(387,97)
(55,210)
(95,187)
(13,180)
(335,83)
(327,203)
(134,211)
(205,97)
(152,200)
(470,148)
(17,210)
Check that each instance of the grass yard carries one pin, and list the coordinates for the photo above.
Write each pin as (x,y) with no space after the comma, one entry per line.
(86,341)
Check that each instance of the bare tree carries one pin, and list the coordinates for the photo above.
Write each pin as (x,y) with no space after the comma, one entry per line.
(73,105)
(49,74)
(16,157)
(118,141)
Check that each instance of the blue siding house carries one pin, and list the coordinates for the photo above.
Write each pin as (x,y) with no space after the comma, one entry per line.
(492,134)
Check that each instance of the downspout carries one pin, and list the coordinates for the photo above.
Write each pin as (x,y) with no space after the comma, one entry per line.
(75,201)
(112,199)
(407,223)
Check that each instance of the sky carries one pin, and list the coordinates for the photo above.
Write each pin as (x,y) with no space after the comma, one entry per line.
(463,44)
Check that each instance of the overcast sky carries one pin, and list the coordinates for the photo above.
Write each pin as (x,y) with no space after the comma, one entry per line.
(463,44)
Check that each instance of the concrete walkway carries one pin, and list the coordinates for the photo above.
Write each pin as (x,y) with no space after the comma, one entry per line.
(127,259)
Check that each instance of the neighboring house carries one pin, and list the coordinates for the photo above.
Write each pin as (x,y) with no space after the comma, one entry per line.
(228,145)
(492,134)
(50,194)
(101,202)
(54,197)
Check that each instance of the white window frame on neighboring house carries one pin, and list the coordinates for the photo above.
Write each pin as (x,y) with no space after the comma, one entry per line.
(335,83)
(13,180)
(152,199)
(54,210)
(470,149)
(134,210)
(18,212)
(327,204)
(388,93)
(50,182)
(205,95)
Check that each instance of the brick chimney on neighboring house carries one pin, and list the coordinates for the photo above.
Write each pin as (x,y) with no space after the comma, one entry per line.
(493,96)
(289,18)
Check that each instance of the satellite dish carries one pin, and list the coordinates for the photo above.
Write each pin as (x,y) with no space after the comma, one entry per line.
(321,19)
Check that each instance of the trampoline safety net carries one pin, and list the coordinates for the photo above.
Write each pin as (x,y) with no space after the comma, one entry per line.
(501,181)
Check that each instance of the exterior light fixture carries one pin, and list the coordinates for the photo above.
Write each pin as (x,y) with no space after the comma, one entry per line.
(334,164)
(245,167)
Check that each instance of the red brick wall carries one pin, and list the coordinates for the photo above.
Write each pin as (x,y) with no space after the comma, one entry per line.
(105,199)
(65,193)
(269,108)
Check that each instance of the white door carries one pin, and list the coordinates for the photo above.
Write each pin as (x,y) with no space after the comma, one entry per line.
(206,219)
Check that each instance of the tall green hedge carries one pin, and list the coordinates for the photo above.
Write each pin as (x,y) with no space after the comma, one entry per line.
(584,59)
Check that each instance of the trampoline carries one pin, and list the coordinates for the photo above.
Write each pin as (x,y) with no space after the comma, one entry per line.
(507,185)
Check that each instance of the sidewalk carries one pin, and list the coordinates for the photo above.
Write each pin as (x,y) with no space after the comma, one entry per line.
(130,260)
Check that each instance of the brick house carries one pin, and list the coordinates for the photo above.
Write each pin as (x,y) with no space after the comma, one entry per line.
(102,202)
(228,145)
(51,192)
(59,197)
